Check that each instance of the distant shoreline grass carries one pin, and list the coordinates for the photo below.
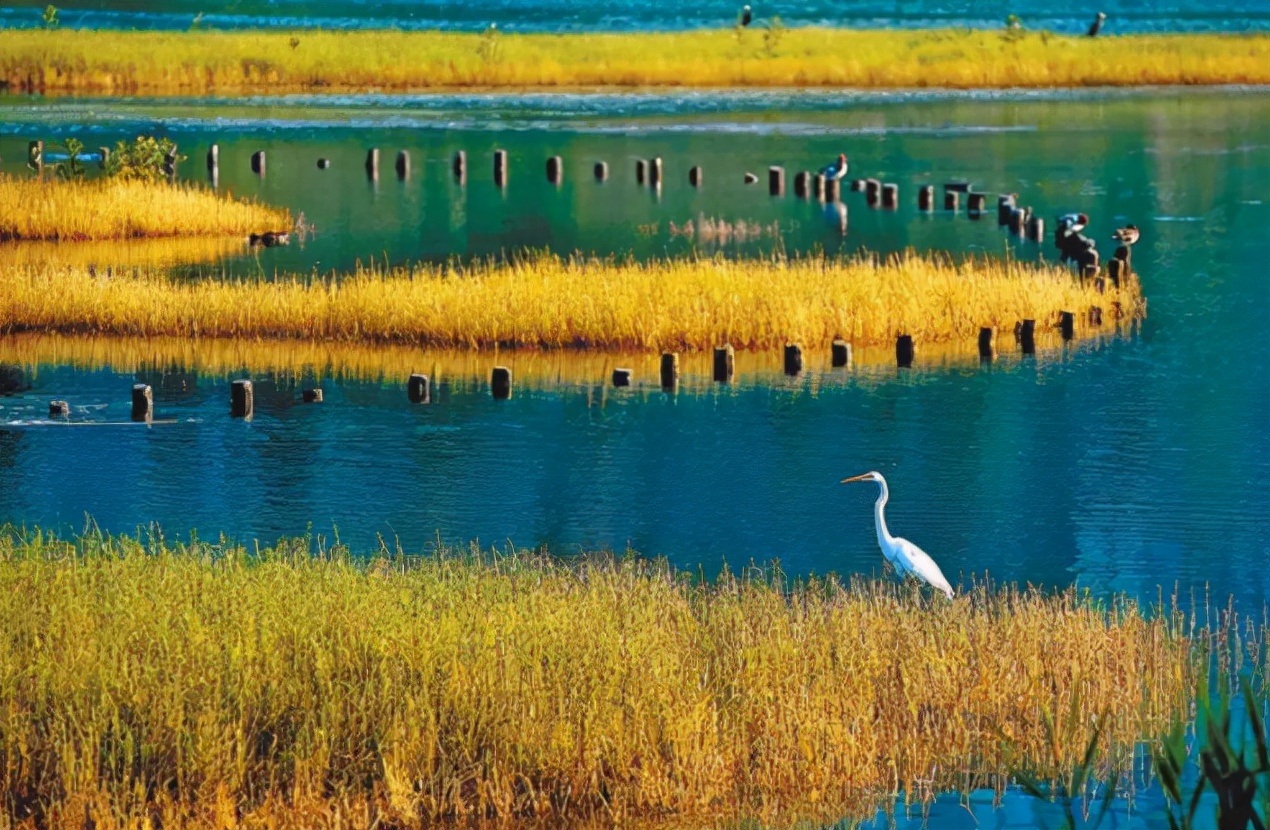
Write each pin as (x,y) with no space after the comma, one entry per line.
(550,302)
(116,209)
(198,62)
(204,683)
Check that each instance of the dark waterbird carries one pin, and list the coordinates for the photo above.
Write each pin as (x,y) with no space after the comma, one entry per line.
(1074,246)
(1096,26)
(269,238)
(746,16)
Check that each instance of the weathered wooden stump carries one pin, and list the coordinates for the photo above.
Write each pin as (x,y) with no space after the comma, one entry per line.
(242,401)
(839,353)
(500,383)
(419,389)
(724,363)
(142,402)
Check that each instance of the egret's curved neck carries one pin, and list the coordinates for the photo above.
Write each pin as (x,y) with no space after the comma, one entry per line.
(884,536)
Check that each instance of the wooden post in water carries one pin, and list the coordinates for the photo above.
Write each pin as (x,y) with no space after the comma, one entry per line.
(601,171)
(142,402)
(500,383)
(950,200)
(555,170)
(372,164)
(213,158)
(1067,324)
(403,165)
(975,203)
(419,389)
(839,353)
(832,189)
(323,163)
(459,166)
(776,180)
(750,178)
(872,192)
(241,399)
(621,377)
(258,163)
(857,185)
(904,352)
(654,172)
(793,358)
(801,180)
(818,186)
(1005,206)
(926,197)
(986,349)
(695,177)
(1095,315)
(1027,336)
(59,409)
(1115,270)
(724,363)
(1036,229)
(311,395)
(104,152)
(890,196)
(1018,221)
(641,171)
(500,168)
(669,370)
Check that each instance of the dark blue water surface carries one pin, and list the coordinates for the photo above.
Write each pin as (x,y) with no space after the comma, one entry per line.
(1124,16)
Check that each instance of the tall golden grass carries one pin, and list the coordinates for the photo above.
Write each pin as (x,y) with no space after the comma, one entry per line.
(92,209)
(124,254)
(549,302)
(199,62)
(211,685)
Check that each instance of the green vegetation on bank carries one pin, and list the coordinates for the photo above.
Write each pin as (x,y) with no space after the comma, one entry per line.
(123,207)
(549,302)
(197,62)
(200,684)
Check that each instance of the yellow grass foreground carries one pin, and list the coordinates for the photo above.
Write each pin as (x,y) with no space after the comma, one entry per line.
(93,209)
(548,302)
(198,62)
(207,686)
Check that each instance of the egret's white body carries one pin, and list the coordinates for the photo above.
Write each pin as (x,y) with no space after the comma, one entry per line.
(904,556)
(837,170)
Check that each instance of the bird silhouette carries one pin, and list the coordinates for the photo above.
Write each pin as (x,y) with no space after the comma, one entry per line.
(1096,26)
(747,16)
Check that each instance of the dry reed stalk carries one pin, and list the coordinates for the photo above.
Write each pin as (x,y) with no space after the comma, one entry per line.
(141,677)
(549,302)
(200,62)
(32,209)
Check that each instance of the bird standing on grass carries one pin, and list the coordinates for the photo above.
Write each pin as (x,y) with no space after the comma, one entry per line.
(906,557)
(1096,26)
(837,170)
(745,17)
(1126,236)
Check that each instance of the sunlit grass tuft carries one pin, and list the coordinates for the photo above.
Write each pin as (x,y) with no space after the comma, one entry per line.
(550,302)
(202,62)
(145,678)
(95,209)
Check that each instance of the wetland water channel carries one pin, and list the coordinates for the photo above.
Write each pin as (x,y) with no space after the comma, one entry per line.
(1135,464)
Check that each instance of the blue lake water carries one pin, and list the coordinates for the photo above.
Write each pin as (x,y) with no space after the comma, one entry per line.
(1139,463)
(1124,16)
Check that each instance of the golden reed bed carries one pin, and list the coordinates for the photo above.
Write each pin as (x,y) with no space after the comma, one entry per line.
(117,62)
(550,302)
(208,685)
(101,209)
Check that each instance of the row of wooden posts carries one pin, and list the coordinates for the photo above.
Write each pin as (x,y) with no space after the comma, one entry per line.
(419,386)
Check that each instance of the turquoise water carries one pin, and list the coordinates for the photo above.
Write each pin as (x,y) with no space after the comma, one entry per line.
(642,15)
(1137,464)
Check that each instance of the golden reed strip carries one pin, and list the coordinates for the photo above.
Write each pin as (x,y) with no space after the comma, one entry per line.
(550,302)
(116,62)
(97,209)
(205,684)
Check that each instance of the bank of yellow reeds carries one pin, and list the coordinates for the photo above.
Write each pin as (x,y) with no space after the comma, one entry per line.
(203,684)
(124,254)
(198,62)
(115,208)
(549,302)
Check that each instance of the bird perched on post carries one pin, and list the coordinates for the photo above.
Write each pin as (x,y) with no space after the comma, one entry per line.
(1126,236)
(1096,26)
(746,16)
(906,557)
(1072,244)
(837,170)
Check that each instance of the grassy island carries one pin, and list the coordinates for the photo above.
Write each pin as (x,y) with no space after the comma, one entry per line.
(198,62)
(118,209)
(549,302)
(145,683)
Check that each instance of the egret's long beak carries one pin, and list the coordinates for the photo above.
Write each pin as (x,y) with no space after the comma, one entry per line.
(864,477)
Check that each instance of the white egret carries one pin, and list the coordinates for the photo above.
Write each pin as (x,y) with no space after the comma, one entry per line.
(906,557)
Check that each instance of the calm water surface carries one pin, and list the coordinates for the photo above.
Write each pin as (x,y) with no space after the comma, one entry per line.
(643,15)
(1138,464)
